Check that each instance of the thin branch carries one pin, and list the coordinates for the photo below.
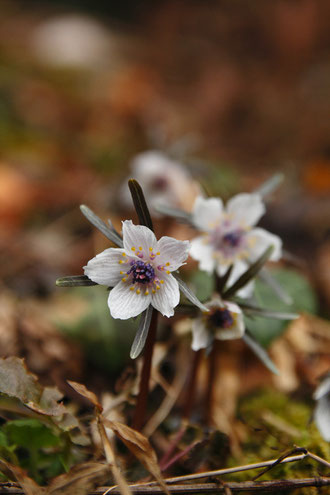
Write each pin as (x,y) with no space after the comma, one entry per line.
(274,486)
(237,469)
(297,450)
(245,486)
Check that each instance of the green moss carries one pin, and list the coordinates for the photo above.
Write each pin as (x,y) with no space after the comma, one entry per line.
(275,424)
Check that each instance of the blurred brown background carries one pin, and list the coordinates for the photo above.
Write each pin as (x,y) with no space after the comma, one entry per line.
(237,90)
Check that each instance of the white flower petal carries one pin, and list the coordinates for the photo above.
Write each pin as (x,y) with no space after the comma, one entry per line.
(246,208)
(105,268)
(322,417)
(323,388)
(136,236)
(236,331)
(201,251)
(125,303)
(259,240)
(172,251)
(207,212)
(200,335)
(167,297)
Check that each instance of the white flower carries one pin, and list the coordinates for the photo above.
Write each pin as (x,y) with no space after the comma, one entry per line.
(224,321)
(163,180)
(229,236)
(140,273)
(73,40)
(322,409)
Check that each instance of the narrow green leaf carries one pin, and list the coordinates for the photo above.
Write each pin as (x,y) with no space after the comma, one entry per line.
(102,226)
(259,352)
(250,273)
(276,287)
(222,281)
(140,204)
(142,333)
(111,226)
(252,310)
(74,281)
(270,185)
(180,215)
(189,294)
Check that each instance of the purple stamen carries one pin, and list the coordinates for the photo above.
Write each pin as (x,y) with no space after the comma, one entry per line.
(142,273)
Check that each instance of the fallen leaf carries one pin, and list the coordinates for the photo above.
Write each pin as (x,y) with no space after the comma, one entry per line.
(82,390)
(140,446)
(80,480)
(29,486)
(16,381)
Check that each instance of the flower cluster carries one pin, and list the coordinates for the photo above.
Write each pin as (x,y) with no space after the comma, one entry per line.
(140,271)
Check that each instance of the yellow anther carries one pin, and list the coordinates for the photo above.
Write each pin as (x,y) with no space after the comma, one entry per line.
(161,281)
(158,253)
(153,291)
(121,272)
(168,264)
(140,248)
(124,279)
(146,292)
(168,271)
(123,254)
(131,288)
(138,291)
(150,249)
(157,287)
(133,248)
(120,262)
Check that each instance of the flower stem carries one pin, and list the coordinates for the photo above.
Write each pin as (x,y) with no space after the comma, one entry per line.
(191,387)
(141,405)
(212,362)
(188,403)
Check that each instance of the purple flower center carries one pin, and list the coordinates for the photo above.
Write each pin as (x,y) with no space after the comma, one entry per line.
(232,238)
(142,272)
(220,318)
(159,184)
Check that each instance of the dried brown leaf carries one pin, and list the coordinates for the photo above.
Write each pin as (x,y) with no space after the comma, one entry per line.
(82,390)
(140,446)
(29,486)
(17,382)
(80,480)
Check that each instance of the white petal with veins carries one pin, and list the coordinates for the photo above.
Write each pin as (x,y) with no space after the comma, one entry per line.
(172,251)
(136,236)
(167,297)
(125,303)
(104,269)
